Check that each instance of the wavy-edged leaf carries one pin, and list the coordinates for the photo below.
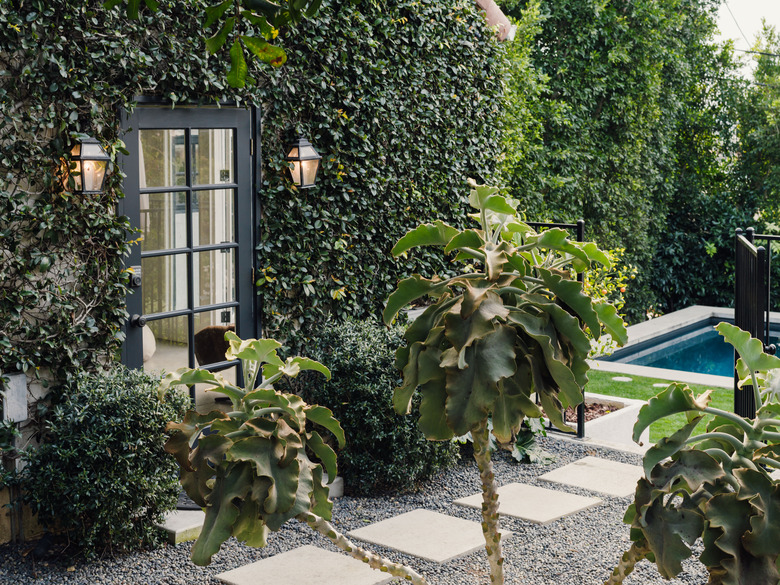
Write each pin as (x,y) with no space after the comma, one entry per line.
(324,417)
(692,466)
(496,259)
(763,539)
(231,483)
(570,293)
(471,392)
(668,446)
(433,419)
(750,350)
(479,195)
(544,334)
(565,322)
(259,350)
(408,290)
(247,528)
(473,239)
(675,398)
(262,453)
(668,528)
(320,504)
(613,323)
(732,516)
(558,239)
(324,453)
(437,233)
(295,365)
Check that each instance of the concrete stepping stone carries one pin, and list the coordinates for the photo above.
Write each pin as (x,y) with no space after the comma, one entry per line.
(182,525)
(599,475)
(426,534)
(304,565)
(534,504)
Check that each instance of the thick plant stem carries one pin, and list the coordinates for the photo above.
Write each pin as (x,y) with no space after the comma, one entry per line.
(374,561)
(481,438)
(630,558)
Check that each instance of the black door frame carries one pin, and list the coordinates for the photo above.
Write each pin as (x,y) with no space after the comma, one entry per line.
(151,114)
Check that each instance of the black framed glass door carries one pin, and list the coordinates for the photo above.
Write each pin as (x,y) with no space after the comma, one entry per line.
(189,192)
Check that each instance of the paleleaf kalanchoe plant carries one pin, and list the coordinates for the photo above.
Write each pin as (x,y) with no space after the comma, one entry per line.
(715,486)
(250,468)
(508,326)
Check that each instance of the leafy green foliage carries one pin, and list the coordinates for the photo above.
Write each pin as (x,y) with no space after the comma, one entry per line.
(385,451)
(62,281)
(402,99)
(714,486)
(104,443)
(250,468)
(508,326)
(624,114)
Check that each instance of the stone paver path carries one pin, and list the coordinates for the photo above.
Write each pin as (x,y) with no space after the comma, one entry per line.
(425,534)
(599,475)
(306,564)
(534,504)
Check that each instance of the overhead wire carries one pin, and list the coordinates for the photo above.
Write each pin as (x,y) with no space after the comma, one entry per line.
(734,18)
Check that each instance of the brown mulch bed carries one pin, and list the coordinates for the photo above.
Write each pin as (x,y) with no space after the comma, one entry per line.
(592,410)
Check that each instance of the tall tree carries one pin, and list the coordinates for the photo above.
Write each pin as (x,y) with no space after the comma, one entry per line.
(616,76)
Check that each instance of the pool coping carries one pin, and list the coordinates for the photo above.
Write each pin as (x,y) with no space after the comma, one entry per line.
(666,324)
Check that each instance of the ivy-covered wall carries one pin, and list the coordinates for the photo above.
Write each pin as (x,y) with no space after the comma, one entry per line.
(401,97)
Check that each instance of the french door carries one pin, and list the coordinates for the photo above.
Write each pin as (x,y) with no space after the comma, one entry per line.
(189,193)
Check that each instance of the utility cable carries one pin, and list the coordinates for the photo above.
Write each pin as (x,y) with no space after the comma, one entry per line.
(735,22)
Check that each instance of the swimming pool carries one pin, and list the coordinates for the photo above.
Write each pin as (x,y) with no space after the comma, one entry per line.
(699,349)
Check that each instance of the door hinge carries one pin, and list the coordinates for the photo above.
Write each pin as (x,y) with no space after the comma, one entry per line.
(252,146)
(253,277)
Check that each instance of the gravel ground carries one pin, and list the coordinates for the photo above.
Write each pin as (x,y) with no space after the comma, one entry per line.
(580,549)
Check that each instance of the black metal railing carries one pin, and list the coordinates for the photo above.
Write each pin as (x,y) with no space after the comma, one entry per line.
(752,301)
(579,228)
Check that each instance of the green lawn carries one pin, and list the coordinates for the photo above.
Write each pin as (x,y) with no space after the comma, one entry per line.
(642,389)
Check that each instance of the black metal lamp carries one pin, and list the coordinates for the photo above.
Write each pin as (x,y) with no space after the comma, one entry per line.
(88,166)
(305,162)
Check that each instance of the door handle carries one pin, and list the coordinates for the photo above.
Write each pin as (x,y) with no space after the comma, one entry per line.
(137,320)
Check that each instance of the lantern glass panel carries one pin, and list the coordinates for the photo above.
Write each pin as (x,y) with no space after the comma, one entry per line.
(92,150)
(293,152)
(93,173)
(308,152)
(309,171)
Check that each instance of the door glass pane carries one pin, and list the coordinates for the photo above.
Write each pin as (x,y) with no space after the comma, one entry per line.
(163,158)
(213,220)
(163,221)
(212,156)
(164,283)
(214,276)
(165,345)
(210,329)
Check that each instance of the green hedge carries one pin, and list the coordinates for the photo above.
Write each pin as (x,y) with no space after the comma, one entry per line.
(401,97)
(403,100)
(385,451)
(101,474)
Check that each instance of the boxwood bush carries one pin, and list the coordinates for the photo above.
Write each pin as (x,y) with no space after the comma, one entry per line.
(384,451)
(101,475)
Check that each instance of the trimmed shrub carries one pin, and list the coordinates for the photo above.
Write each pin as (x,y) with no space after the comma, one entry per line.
(101,474)
(385,451)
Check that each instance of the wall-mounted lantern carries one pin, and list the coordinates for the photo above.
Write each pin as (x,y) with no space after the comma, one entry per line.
(88,165)
(305,162)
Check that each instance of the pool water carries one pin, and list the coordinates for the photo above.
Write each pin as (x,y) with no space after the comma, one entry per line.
(701,350)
